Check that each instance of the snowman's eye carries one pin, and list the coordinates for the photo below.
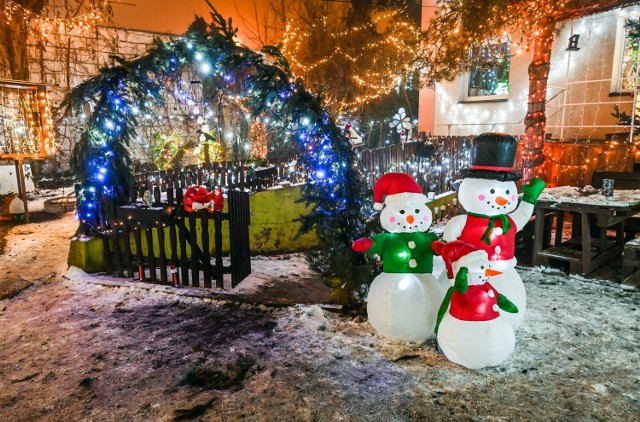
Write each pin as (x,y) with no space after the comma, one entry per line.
(507,191)
(417,211)
(482,267)
(401,211)
(492,191)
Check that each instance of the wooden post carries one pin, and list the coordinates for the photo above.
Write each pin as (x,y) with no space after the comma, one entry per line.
(22,190)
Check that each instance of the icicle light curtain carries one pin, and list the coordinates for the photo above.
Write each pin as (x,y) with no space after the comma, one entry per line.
(26,131)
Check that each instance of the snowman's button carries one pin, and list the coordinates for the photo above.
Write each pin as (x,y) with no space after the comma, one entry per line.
(496,308)
(497,231)
(490,293)
(498,249)
(411,244)
(413,263)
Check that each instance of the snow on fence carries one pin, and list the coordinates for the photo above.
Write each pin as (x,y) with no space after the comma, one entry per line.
(166,238)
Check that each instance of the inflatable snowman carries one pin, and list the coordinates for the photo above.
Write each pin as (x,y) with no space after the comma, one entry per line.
(403,300)
(469,330)
(489,194)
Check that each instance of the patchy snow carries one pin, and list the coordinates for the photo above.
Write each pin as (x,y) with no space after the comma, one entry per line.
(81,347)
(568,194)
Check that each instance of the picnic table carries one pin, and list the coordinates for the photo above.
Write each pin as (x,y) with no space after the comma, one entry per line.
(593,217)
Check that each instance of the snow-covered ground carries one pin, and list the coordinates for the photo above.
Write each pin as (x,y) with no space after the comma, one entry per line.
(82,347)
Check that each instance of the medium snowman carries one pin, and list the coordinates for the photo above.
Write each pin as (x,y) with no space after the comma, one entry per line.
(403,300)
(489,194)
(469,329)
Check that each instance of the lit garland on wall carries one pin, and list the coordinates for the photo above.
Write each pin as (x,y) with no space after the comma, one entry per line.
(26,129)
(335,185)
(463,24)
(387,62)
(47,25)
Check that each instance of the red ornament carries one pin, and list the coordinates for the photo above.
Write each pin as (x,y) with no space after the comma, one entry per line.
(198,197)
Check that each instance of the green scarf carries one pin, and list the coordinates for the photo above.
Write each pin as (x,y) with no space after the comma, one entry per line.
(506,225)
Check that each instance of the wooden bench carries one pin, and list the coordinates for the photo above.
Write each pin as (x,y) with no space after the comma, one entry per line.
(631,259)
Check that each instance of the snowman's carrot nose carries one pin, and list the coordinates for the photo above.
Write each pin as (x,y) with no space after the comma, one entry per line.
(490,273)
(501,201)
(410,219)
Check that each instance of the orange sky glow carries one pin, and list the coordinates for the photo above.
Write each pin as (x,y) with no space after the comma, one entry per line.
(174,16)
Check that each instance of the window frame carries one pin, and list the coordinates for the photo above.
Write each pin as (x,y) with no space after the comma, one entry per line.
(615,87)
(466,79)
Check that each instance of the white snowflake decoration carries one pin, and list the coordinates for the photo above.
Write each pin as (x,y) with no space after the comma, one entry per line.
(401,121)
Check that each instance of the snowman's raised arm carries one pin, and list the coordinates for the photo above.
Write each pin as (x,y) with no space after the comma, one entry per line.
(453,229)
(531,192)
(522,214)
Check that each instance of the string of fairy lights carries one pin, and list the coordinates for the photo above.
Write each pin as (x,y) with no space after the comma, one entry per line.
(580,149)
(26,129)
(45,24)
(376,79)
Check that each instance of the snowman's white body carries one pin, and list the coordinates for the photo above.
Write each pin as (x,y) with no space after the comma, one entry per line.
(404,306)
(493,197)
(476,344)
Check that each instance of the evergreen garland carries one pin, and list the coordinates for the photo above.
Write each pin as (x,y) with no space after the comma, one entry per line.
(335,186)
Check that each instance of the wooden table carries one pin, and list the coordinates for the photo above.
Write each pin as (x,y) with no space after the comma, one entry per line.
(591,213)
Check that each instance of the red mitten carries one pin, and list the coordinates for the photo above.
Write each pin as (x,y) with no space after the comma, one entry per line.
(437,246)
(362,245)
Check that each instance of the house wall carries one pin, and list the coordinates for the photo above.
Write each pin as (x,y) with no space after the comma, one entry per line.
(580,101)
(586,72)
(455,117)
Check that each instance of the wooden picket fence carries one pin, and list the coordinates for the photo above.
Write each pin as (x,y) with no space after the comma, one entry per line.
(434,163)
(225,174)
(164,243)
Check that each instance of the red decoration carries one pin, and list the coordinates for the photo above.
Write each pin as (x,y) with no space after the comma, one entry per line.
(478,303)
(198,197)
(393,184)
(362,245)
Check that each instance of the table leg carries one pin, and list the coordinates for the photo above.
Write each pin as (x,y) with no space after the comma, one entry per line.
(559,227)
(538,234)
(586,242)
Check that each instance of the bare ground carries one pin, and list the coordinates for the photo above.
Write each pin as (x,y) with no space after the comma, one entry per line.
(75,347)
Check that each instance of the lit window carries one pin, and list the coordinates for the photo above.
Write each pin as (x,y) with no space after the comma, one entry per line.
(488,76)
(625,68)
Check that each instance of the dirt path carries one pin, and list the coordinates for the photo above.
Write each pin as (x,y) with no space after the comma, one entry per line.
(37,253)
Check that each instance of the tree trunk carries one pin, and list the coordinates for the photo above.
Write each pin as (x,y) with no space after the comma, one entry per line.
(535,120)
(13,41)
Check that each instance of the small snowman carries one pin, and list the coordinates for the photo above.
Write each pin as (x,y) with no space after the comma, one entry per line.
(489,194)
(403,300)
(469,329)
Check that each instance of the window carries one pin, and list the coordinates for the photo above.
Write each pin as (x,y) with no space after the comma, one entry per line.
(625,68)
(488,76)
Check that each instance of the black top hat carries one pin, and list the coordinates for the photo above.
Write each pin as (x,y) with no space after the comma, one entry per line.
(493,156)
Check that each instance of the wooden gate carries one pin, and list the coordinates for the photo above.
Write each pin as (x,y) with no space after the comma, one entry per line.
(164,243)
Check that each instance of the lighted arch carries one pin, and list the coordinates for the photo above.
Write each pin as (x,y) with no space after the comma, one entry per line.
(132,88)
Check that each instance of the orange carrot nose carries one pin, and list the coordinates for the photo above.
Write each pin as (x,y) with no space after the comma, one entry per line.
(490,273)
(410,219)
(501,201)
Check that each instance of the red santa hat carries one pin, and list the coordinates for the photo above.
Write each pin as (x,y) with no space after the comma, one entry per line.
(457,252)
(396,187)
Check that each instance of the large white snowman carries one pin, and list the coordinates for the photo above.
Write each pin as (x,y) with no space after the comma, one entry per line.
(489,194)
(470,331)
(403,300)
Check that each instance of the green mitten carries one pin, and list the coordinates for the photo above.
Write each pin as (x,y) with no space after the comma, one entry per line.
(507,305)
(461,284)
(533,190)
